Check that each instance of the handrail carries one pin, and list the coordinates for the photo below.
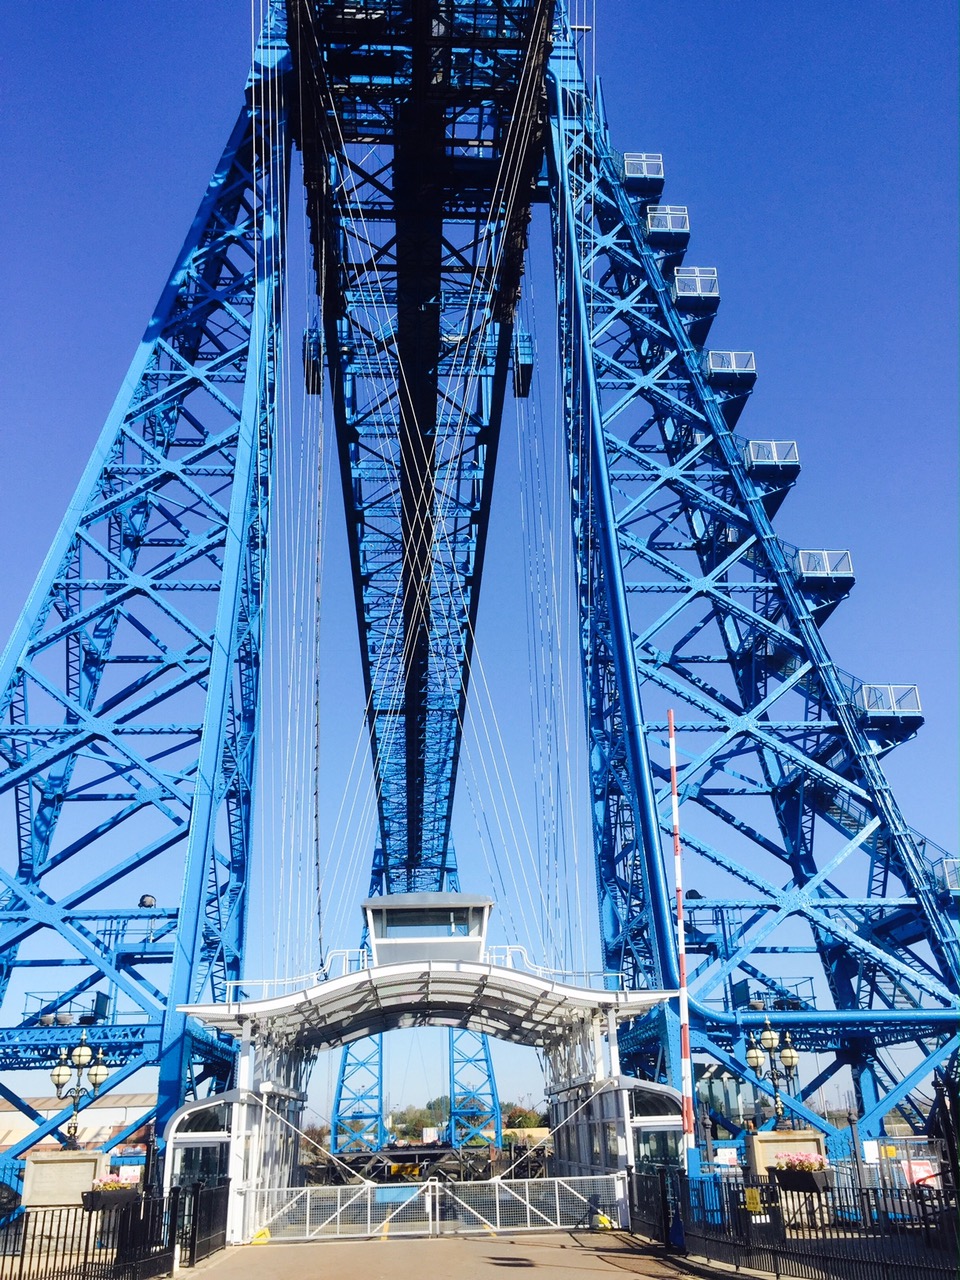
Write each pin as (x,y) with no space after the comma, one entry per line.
(339,963)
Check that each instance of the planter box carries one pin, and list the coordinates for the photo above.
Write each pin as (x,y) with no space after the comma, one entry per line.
(118,1199)
(804,1180)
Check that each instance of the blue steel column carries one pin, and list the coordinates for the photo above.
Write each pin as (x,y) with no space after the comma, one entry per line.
(225,768)
(636,917)
(358,1119)
(130,686)
(474,1101)
(689,600)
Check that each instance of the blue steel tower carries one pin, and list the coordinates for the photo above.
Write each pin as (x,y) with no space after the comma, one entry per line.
(817,907)
(130,689)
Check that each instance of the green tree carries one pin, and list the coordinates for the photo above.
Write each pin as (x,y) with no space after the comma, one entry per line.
(516,1116)
(410,1123)
(440,1108)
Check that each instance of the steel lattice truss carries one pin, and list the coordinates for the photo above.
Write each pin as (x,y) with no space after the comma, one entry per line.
(358,1118)
(420,183)
(689,600)
(421,137)
(130,690)
(474,1101)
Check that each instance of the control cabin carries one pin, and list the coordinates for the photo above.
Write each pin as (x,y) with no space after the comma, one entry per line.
(427,926)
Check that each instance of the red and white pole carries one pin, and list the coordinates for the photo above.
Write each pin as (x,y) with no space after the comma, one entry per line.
(686,1066)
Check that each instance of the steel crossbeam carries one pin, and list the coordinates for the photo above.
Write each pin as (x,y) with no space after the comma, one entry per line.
(689,600)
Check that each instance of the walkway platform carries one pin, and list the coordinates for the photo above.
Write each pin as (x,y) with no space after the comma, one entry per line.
(590,1255)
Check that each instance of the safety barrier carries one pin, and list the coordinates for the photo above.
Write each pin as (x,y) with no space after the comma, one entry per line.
(821,1233)
(434,1208)
(116,1236)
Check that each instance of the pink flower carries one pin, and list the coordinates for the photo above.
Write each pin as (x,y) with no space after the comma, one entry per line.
(809,1161)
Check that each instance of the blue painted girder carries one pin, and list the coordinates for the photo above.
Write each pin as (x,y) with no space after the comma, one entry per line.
(129,690)
(421,130)
(420,184)
(474,1101)
(689,601)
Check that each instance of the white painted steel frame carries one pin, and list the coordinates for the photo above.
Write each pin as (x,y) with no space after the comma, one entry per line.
(379,1211)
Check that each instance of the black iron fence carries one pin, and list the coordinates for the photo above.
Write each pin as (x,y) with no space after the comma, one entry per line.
(115,1237)
(203,1219)
(817,1233)
(650,1196)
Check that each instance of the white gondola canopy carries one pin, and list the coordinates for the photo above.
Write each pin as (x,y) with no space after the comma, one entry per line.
(506,1003)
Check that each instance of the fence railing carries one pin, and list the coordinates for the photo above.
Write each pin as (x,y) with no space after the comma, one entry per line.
(119,1237)
(203,1222)
(432,1208)
(821,1233)
(339,963)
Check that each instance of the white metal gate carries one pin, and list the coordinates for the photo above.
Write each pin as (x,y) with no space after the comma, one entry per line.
(432,1208)
(534,1204)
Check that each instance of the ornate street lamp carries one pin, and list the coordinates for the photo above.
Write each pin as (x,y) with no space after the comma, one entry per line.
(80,1059)
(767,1049)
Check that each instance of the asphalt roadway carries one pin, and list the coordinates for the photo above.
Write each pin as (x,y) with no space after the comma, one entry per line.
(556,1256)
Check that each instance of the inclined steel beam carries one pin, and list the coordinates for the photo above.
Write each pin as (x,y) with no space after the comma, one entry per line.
(129,691)
(690,601)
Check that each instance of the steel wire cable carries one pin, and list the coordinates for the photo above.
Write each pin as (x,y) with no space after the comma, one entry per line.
(289,665)
(550,561)
(474,285)
(478,349)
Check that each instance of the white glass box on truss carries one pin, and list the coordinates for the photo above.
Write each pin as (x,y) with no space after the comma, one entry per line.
(427,926)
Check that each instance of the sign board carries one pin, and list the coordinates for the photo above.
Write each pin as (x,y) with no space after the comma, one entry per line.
(765,1148)
(60,1177)
(923,1171)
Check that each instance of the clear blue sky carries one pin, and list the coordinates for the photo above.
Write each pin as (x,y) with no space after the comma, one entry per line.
(816,147)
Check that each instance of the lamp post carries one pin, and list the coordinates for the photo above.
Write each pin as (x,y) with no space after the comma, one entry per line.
(776,1072)
(147,903)
(80,1059)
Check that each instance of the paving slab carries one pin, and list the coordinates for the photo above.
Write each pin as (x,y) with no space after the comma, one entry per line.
(559,1256)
